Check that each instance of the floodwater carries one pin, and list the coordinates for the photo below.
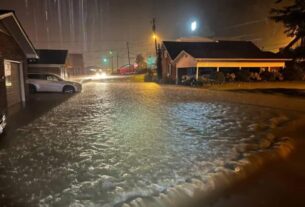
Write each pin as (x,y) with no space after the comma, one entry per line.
(118,141)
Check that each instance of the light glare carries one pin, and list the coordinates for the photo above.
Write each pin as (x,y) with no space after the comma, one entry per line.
(194,26)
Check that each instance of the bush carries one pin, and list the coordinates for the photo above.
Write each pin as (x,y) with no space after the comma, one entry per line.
(243,76)
(268,76)
(294,72)
(218,77)
(168,81)
(149,76)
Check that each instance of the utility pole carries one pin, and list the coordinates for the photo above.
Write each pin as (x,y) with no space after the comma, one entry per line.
(155,34)
(117,61)
(111,56)
(128,53)
(112,64)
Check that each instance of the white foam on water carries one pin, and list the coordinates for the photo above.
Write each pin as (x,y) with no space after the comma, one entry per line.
(118,144)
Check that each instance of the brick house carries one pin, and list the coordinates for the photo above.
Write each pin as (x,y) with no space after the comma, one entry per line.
(197,58)
(15,48)
(50,61)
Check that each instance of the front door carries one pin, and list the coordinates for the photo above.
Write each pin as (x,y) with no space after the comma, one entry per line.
(13,82)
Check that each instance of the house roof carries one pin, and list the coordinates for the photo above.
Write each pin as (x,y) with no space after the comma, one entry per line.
(51,57)
(219,50)
(14,27)
(2,11)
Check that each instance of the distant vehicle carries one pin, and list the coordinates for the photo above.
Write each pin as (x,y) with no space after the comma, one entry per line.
(127,70)
(2,106)
(47,82)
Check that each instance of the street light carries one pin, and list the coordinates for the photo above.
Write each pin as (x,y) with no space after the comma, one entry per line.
(194,26)
(105,60)
(155,38)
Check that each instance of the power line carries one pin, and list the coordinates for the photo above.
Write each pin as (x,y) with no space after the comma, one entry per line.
(245,24)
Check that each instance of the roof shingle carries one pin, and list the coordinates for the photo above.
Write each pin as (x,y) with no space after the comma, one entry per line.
(219,49)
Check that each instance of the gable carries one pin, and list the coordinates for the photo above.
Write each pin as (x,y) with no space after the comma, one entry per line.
(3,29)
(184,60)
(12,26)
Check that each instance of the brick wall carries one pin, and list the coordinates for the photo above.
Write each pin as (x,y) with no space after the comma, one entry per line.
(167,75)
(10,50)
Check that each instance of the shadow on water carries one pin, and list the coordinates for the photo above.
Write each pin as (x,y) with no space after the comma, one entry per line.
(23,114)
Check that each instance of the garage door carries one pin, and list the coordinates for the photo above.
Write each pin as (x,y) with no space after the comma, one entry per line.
(12,83)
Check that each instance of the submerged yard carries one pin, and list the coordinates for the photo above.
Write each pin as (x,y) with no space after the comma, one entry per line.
(116,142)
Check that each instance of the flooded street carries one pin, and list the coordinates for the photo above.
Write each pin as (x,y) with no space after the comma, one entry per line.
(114,142)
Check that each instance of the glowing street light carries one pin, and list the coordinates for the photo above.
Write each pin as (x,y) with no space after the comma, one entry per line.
(105,60)
(194,26)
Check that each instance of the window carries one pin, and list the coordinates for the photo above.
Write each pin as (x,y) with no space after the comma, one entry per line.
(52,78)
(8,74)
(35,76)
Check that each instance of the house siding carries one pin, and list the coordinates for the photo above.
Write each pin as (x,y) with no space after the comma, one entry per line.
(10,50)
(168,74)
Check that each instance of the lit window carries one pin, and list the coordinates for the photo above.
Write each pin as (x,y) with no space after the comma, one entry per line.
(8,74)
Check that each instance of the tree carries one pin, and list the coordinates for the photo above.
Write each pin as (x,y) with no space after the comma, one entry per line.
(293,18)
(140,60)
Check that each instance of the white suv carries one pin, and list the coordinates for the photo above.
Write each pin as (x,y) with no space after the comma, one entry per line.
(2,122)
(46,82)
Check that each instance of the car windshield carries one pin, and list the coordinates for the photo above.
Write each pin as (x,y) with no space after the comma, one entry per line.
(34,76)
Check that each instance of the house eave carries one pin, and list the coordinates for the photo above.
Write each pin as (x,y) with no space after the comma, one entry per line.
(46,65)
(31,54)
(243,59)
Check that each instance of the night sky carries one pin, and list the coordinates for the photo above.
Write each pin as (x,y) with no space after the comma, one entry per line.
(94,27)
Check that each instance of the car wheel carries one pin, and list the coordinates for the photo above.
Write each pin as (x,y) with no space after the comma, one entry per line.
(32,89)
(68,89)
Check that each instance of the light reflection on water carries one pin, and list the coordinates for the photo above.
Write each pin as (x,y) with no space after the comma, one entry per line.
(116,141)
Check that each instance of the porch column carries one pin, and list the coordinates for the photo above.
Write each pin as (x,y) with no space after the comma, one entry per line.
(197,72)
(177,76)
(217,70)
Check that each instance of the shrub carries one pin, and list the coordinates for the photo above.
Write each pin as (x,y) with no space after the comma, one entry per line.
(220,77)
(243,76)
(268,76)
(294,72)
(149,76)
